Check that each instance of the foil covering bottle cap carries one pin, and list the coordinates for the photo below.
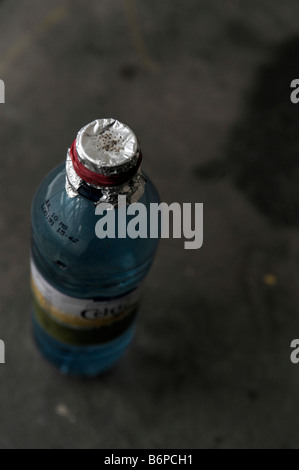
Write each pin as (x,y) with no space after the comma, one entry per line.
(107,147)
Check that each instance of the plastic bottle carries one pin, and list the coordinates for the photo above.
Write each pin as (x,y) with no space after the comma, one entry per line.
(86,290)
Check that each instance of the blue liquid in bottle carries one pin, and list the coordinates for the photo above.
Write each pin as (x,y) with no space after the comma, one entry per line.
(86,289)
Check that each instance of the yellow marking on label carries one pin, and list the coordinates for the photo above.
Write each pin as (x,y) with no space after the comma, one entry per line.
(76,321)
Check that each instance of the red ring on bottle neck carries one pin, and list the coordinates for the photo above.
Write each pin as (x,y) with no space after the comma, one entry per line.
(97,179)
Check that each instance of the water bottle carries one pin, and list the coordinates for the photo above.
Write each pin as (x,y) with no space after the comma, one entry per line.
(86,288)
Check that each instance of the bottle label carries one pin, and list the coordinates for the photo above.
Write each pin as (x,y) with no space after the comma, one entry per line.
(81,321)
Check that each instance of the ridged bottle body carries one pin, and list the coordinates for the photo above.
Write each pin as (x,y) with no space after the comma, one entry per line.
(86,289)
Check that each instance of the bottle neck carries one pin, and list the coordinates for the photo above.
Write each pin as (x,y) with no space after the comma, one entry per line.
(131,184)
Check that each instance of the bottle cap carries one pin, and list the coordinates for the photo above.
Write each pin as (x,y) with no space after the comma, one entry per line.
(107,146)
(105,154)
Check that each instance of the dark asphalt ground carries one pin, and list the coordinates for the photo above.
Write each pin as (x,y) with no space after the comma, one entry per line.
(205,84)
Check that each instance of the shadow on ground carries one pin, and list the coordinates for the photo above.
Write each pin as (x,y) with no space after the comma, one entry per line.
(263,148)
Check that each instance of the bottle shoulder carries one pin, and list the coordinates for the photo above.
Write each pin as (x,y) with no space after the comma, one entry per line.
(53,185)
(65,246)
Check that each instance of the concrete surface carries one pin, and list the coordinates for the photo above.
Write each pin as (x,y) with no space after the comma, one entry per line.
(205,85)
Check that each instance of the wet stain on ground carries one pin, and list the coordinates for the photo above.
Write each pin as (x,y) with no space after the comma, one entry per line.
(262,153)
